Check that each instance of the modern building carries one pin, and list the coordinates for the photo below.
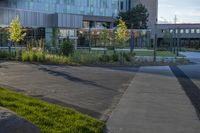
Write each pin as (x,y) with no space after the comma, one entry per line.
(183,35)
(124,5)
(41,16)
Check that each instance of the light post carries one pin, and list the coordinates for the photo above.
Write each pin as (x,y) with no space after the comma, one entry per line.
(114,40)
(132,38)
(140,37)
(155,43)
(90,26)
(178,41)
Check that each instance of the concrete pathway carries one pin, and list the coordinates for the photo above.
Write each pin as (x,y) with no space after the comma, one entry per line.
(193,70)
(155,102)
(92,90)
(193,56)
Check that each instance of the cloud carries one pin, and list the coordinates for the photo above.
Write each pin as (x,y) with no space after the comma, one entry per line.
(187,11)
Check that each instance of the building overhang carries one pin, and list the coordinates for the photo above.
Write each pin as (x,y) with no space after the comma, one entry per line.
(40,19)
(98,18)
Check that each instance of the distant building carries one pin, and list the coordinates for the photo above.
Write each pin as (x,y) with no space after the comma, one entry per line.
(183,35)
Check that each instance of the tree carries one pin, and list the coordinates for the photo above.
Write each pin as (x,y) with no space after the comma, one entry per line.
(55,36)
(104,38)
(136,18)
(67,47)
(15,30)
(167,38)
(121,33)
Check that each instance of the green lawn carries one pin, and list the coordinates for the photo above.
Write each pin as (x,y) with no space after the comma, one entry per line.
(48,117)
(151,53)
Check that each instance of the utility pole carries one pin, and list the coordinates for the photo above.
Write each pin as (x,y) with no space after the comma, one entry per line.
(175,35)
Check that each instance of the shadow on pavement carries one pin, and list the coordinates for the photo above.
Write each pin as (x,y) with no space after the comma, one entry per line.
(191,89)
(73,78)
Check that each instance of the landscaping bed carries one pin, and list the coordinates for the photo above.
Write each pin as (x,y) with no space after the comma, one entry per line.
(86,57)
(48,117)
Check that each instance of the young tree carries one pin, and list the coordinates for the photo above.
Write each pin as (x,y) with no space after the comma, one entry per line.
(15,30)
(121,33)
(136,18)
(104,38)
(121,36)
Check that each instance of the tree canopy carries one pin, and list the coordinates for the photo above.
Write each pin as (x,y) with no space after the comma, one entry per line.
(121,33)
(16,33)
(136,17)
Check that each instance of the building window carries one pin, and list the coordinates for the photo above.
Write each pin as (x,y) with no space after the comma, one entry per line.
(86,24)
(187,31)
(163,31)
(198,31)
(181,31)
(122,5)
(192,31)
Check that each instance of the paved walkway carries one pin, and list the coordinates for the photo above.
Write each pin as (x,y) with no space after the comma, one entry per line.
(155,102)
(193,56)
(92,90)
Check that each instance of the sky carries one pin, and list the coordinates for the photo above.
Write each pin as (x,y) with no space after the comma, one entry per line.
(187,11)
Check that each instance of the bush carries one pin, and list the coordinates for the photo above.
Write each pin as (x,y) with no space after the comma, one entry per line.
(40,56)
(67,48)
(56,59)
(28,56)
(5,54)
(128,56)
(115,57)
(104,58)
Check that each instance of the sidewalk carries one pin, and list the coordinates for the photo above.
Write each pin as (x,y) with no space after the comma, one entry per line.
(154,103)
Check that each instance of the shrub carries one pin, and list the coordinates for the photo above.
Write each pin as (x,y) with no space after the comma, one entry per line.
(25,56)
(56,59)
(67,48)
(104,58)
(5,54)
(115,57)
(40,56)
(128,56)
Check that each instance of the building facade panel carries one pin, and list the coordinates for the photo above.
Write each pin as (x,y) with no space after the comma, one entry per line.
(27,18)
(83,7)
(58,13)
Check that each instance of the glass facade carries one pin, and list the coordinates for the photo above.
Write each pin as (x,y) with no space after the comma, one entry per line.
(83,7)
